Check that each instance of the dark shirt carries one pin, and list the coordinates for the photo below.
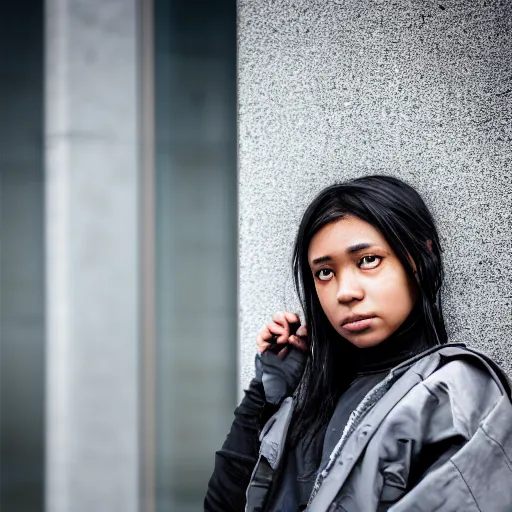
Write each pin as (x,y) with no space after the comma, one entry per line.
(303,463)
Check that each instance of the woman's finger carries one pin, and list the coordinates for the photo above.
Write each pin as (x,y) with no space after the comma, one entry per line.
(279,319)
(265,335)
(270,330)
(283,352)
(302,331)
(291,317)
(261,340)
(285,317)
(298,343)
(278,330)
(261,346)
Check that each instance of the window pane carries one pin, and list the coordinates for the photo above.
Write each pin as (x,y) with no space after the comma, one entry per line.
(195,77)
(22,326)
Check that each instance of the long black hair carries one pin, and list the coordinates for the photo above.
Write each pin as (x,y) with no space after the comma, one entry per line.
(400,214)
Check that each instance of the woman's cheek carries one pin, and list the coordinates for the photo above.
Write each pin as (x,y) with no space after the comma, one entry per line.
(327,305)
(320,292)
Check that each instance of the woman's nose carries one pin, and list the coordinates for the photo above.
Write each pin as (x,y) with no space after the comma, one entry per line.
(349,289)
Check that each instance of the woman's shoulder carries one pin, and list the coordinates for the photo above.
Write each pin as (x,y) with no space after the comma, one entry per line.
(461,366)
(466,383)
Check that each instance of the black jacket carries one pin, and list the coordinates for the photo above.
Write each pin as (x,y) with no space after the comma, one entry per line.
(235,461)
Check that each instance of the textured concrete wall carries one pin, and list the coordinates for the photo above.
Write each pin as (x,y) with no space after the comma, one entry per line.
(330,90)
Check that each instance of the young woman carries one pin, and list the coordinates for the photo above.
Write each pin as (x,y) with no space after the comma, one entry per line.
(366,407)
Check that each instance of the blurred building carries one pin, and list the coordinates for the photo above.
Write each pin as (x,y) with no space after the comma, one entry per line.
(118,266)
(119,362)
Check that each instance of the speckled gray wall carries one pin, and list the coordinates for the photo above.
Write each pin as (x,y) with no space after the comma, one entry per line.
(330,90)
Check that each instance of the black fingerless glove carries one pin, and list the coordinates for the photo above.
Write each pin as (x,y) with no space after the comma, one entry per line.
(280,377)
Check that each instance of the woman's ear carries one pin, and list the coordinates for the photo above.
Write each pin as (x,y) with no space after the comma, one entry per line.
(429,245)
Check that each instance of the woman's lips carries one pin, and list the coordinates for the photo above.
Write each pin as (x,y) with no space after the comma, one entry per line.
(358,325)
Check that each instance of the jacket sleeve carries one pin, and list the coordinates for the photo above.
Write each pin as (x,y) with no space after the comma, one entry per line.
(448,474)
(432,458)
(235,461)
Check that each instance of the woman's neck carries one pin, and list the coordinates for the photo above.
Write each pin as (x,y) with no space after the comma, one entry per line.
(393,350)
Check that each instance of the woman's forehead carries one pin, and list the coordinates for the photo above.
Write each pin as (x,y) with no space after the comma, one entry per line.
(345,234)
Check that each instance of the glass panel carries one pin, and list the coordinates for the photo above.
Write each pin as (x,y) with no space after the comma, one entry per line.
(195,76)
(22,325)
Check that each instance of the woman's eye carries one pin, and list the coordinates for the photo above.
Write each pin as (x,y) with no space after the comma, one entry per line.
(370,261)
(324,274)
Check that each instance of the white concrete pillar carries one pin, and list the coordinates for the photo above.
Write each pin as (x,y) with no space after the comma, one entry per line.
(92,241)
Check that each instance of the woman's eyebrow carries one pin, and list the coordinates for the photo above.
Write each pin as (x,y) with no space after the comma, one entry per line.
(350,250)
(322,259)
(359,247)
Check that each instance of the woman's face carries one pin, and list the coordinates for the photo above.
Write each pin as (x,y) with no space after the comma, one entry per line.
(357,273)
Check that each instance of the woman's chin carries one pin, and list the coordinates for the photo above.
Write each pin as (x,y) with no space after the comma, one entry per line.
(365,341)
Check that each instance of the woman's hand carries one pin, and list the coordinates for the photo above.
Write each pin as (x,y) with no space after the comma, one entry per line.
(281,373)
(280,327)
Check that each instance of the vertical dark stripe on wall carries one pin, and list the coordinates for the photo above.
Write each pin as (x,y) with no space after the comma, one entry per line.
(147,257)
